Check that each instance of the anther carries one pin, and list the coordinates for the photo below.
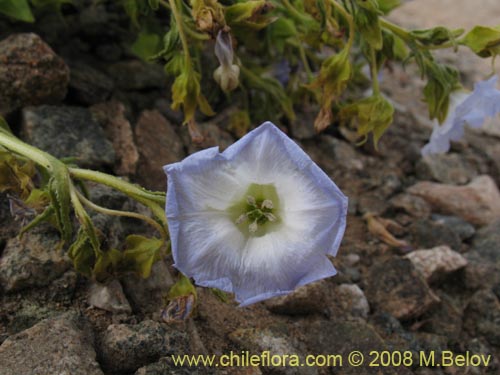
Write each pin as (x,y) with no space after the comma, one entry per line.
(251,201)
(252,228)
(267,204)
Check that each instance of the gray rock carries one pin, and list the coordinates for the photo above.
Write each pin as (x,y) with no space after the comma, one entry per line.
(166,366)
(111,116)
(148,295)
(33,261)
(427,233)
(478,266)
(447,168)
(88,85)
(487,242)
(436,263)
(109,296)
(482,316)
(302,127)
(351,300)
(459,226)
(158,145)
(446,318)
(411,205)
(126,347)
(68,132)
(137,75)
(395,286)
(28,314)
(257,341)
(308,299)
(30,73)
(212,135)
(60,345)
(477,202)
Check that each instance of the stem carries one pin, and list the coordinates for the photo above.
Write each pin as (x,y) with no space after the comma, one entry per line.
(108,211)
(374,72)
(303,57)
(38,156)
(182,35)
(294,12)
(125,187)
(350,22)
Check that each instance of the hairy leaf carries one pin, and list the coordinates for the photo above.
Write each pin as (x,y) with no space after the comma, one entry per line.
(17,9)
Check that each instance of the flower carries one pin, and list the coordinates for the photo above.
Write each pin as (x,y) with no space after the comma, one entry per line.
(227,74)
(465,108)
(257,219)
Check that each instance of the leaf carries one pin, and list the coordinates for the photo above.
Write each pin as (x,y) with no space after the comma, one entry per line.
(17,9)
(436,36)
(442,80)
(16,174)
(251,14)
(45,216)
(141,253)
(82,254)
(394,47)
(4,127)
(146,45)
(107,261)
(483,41)
(386,6)
(373,115)
(368,25)
(279,31)
(182,287)
(59,192)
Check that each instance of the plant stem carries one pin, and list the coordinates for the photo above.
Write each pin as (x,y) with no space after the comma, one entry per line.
(397,30)
(182,34)
(374,72)
(38,156)
(350,22)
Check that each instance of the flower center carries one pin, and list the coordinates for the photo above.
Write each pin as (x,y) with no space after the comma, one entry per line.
(257,213)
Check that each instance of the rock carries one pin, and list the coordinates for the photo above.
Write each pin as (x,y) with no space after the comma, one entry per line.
(478,202)
(428,233)
(111,116)
(486,242)
(125,347)
(60,345)
(137,75)
(109,296)
(395,286)
(88,85)
(33,261)
(445,319)
(28,314)
(166,366)
(308,299)
(493,153)
(343,153)
(482,316)
(68,132)
(158,145)
(459,226)
(351,300)
(342,338)
(410,204)
(30,73)
(437,262)
(212,135)
(447,168)
(260,340)
(302,127)
(476,269)
(148,295)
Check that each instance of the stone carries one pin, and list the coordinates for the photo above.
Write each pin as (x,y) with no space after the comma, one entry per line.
(35,260)
(302,127)
(307,299)
(459,226)
(478,266)
(411,205)
(68,132)
(477,202)
(137,75)
(487,240)
(127,347)
(109,296)
(436,263)
(395,286)
(88,85)
(148,295)
(59,345)
(446,318)
(166,366)
(260,340)
(28,314)
(158,145)
(212,135)
(446,168)
(427,233)
(111,116)
(351,300)
(30,73)
(482,316)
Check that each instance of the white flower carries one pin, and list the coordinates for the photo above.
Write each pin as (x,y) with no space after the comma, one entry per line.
(227,74)
(465,108)
(257,219)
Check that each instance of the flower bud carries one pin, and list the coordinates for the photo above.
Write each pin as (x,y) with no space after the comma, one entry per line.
(227,74)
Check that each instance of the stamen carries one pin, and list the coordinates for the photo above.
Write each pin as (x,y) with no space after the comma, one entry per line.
(269,216)
(251,201)
(241,219)
(252,228)
(268,204)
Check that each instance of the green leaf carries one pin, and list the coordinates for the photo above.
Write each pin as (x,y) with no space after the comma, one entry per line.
(82,254)
(154,4)
(141,253)
(107,262)
(442,80)
(16,174)
(386,6)
(483,41)
(368,25)
(146,45)
(436,36)
(59,192)
(45,216)
(17,9)
(250,14)
(394,47)
(182,287)
(373,115)
(279,31)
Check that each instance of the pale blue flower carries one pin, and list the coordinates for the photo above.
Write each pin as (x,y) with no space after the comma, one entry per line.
(257,219)
(465,109)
